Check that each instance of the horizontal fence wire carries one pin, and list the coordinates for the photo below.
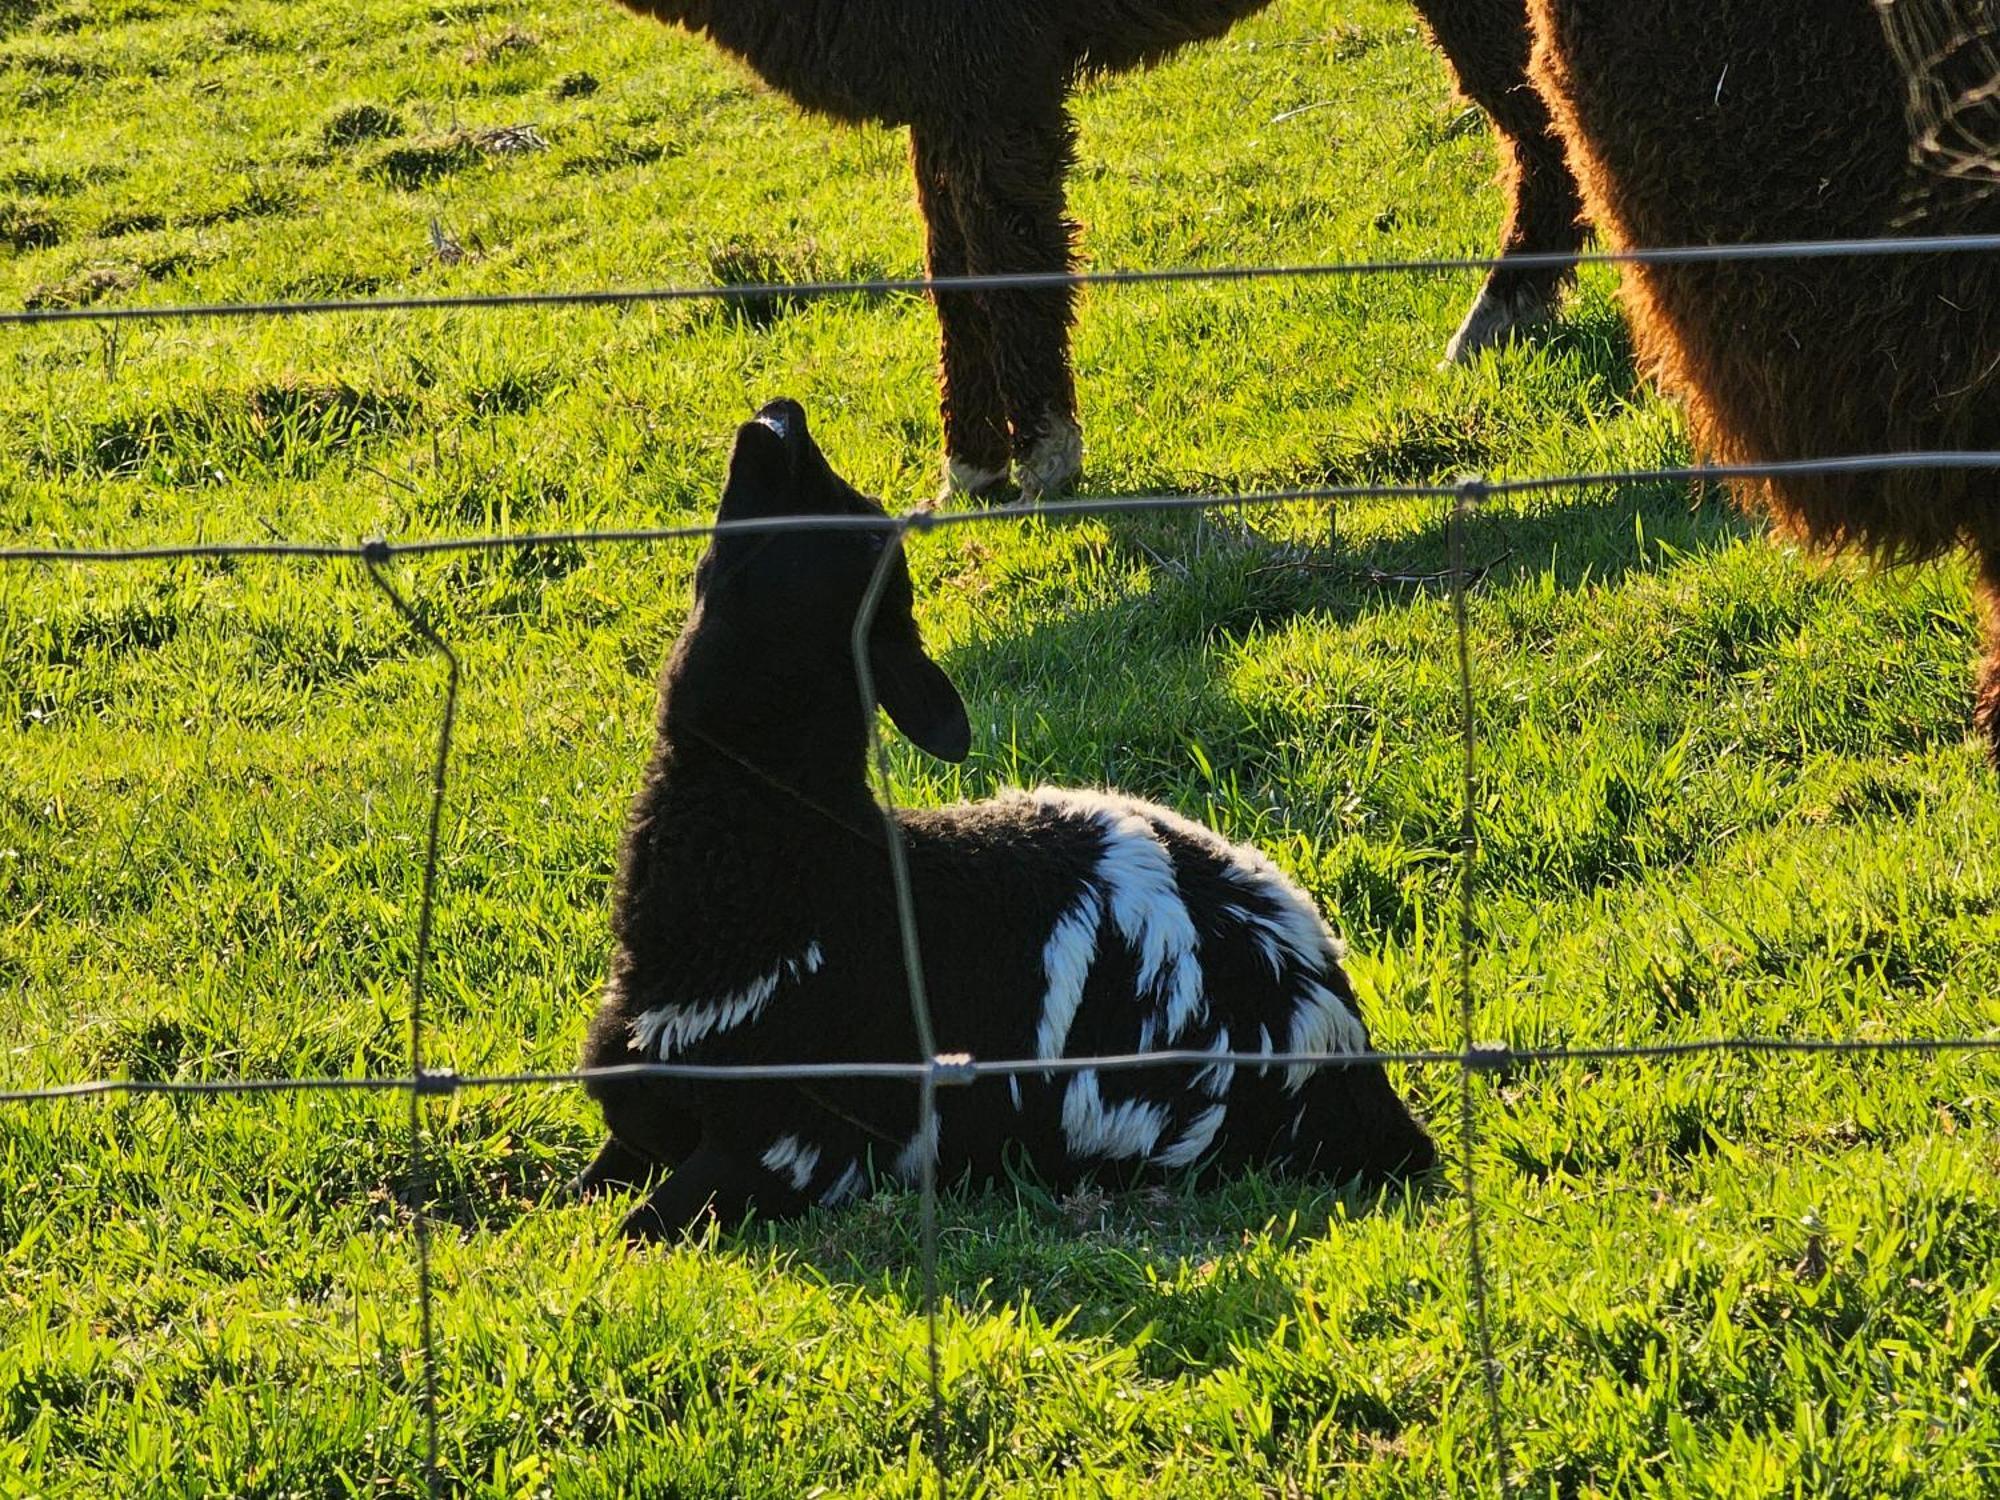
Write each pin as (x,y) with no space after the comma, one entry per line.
(1863,248)
(1474,1059)
(379,549)
(953,1069)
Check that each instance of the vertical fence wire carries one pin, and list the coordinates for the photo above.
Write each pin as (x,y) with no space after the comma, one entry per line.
(886,564)
(421,1081)
(1471,492)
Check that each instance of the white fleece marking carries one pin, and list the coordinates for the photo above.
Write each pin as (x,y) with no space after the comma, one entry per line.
(1195,1140)
(1066,960)
(792,1158)
(1137,877)
(1321,1022)
(1091,1128)
(845,1186)
(1134,883)
(1285,918)
(1014,1089)
(808,962)
(1214,1080)
(1267,944)
(668,1029)
(909,1164)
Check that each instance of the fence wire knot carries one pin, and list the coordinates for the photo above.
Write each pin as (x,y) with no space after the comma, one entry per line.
(954,1068)
(1489,1057)
(432,1082)
(375,550)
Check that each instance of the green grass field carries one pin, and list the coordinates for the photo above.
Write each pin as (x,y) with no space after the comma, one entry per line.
(1724,788)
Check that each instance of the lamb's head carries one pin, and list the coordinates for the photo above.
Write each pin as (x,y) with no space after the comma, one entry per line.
(768,652)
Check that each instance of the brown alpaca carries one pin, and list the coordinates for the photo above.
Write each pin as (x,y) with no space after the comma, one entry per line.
(984,86)
(1718,121)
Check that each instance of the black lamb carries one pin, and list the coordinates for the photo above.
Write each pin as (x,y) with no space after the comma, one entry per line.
(755,922)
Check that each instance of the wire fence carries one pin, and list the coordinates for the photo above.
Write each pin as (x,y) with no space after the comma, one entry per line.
(1867,247)
(1475,1058)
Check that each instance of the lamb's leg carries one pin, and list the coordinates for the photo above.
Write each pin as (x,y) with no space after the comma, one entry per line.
(1487,43)
(647,1133)
(616,1165)
(1008,185)
(975,416)
(713,1185)
(1986,708)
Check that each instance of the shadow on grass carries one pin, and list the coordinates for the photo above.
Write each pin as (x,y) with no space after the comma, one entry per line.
(1189,690)
(1215,586)
(1583,543)
(1226,579)
(1182,1275)
(1594,335)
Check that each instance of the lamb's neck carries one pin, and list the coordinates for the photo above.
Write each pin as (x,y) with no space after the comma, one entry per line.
(790,746)
(731,808)
(716,861)
(758,772)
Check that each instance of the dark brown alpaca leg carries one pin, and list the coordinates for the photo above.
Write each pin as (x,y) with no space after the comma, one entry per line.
(1487,43)
(976,450)
(1986,708)
(1008,185)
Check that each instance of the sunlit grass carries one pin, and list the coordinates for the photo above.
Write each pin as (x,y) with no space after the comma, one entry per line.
(1722,788)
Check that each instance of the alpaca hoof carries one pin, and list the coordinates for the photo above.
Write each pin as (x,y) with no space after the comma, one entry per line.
(1494,318)
(1051,462)
(975,481)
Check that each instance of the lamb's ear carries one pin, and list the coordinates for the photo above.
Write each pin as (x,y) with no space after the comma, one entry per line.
(920,698)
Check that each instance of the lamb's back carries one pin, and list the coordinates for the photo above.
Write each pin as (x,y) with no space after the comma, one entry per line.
(1063,924)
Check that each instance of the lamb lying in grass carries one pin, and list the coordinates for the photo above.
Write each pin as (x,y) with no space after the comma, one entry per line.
(755,922)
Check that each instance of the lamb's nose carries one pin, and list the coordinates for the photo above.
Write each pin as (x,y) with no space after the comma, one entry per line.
(785,417)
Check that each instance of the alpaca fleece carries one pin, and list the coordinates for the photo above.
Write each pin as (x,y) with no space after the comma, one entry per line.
(984,88)
(1712,121)
(755,922)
